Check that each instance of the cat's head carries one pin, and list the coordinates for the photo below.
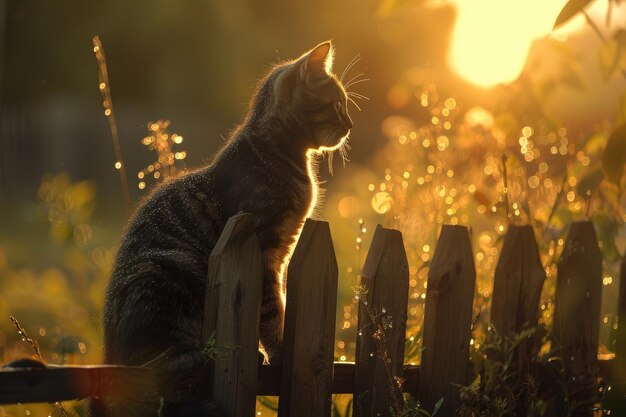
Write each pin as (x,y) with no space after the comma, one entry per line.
(307,98)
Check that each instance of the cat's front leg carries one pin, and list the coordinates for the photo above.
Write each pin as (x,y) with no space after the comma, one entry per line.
(272,317)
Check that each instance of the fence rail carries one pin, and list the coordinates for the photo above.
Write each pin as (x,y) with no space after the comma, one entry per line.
(308,376)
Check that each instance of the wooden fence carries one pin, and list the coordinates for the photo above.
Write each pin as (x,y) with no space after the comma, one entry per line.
(308,376)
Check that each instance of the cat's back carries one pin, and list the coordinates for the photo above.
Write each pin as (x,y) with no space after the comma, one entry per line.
(170,236)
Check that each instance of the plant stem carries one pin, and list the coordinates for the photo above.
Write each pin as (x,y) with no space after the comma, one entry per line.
(506,187)
(103,86)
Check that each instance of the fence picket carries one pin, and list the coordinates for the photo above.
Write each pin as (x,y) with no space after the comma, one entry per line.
(518,282)
(447,320)
(620,342)
(578,292)
(232,310)
(309,335)
(386,279)
(305,380)
(618,371)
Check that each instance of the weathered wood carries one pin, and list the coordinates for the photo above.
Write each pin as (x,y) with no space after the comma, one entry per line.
(232,309)
(618,375)
(28,385)
(343,378)
(309,334)
(620,333)
(51,384)
(447,320)
(577,311)
(518,282)
(382,326)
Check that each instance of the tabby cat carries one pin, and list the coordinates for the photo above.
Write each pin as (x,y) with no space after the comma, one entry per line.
(154,301)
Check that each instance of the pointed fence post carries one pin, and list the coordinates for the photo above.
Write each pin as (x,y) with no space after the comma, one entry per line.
(386,281)
(231,315)
(447,320)
(517,289)
(309,335)
(577,313)
(620,342)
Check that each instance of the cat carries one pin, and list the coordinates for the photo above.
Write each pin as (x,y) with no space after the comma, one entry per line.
(155,298)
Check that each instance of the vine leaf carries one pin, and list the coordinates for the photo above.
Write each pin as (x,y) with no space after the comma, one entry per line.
(614,156)
(571,9)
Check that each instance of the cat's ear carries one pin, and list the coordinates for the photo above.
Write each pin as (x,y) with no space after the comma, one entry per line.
(318,62)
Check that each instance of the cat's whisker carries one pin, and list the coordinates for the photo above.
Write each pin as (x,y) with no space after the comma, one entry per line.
(346,69)
(357,82)
(352,63)
(349,83)
(357,95)
(343,151)
(354,102)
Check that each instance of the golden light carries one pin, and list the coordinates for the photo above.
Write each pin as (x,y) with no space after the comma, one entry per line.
(491,38)
(348,207)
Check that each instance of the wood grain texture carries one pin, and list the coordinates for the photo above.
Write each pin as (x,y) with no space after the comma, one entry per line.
(447,320)
(620,342)
(309,336)
(577,310)
(233,298)
(386,280)
(51,384)
(62,383)
(518,282)
(618,374)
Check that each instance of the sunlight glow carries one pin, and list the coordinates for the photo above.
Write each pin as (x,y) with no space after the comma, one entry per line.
(491,38)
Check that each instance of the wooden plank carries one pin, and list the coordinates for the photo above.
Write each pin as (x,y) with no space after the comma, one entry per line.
(577,312)
(343,381)
(620,332)
(234,293)
(308,345)
(447,320)
(382,327)
(618,375)
(343,378)
(51,384)
(28,385)
(518,282)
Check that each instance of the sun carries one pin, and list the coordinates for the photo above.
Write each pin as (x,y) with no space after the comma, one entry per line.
(491,38)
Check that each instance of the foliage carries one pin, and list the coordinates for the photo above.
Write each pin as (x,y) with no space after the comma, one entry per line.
(612,56)
(376,325)
(441,162)
(571,9)
(503,386)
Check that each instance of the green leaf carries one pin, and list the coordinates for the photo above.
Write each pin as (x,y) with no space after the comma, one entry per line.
(437,406)
(589,182)
(571,9)
(614,156)
(596,143)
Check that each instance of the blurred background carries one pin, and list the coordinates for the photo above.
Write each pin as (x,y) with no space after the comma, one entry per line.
(460,96)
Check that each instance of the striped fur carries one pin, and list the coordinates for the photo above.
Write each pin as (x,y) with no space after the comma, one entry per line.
(154,301)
